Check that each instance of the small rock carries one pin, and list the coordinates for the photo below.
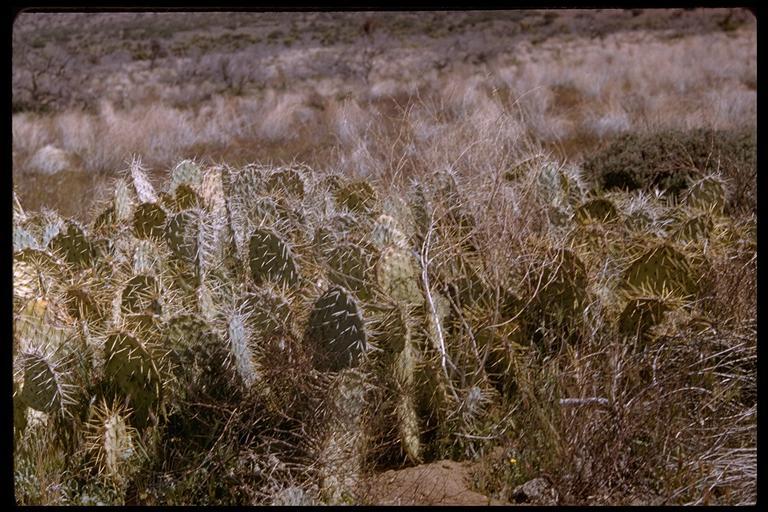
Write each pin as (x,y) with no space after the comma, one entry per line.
(537,491)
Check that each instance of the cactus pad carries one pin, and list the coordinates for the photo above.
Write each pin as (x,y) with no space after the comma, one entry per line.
(131,367)
(140,294)
(350,265)
(597,210)
(640,315)
(707,194)
(44,387)
(660,270)
(186,173)
(336,331)
(398,275)
(271,260)
(111,441)
(286,182)
(148,221)
(72,246)
(358,197)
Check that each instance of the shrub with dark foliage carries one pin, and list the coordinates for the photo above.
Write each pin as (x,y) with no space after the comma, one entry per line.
(669,159)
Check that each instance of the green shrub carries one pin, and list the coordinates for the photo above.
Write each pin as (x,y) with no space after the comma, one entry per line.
(669,159)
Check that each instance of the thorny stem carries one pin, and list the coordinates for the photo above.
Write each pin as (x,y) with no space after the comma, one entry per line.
(432,309)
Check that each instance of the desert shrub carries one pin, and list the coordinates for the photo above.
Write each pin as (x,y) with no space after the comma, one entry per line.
(669,159)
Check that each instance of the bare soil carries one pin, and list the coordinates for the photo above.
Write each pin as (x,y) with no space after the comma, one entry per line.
(444,482)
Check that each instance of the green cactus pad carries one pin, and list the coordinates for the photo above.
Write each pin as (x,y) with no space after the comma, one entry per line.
(386,232)
(181,235)
(185,198)
(398,275)
(132,369)
(351,266)
(335,229)
(186,173)
(286,182)
(82,305)
(44,387)
(185,332)
(269,311)
(271,260)
(140,294)
(695,228)
(660,270)
(336,331)
(105,222)
(149,221)
(358,197)
(640,315)
(72,246)
(597,210)
(708,194)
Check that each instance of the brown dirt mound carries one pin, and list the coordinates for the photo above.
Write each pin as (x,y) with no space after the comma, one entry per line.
(440,483)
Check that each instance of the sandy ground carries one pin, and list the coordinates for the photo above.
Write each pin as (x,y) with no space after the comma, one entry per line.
(444,482)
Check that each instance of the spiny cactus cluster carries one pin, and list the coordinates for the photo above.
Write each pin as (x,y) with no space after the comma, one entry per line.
(368,321)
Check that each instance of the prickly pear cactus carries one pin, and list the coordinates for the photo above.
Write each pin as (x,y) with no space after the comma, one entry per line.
(45,384)
(694,229)
(398,275)
(337,331)
(387,232)
(640,315)
(562,289)
(597,210)
(185,197)
(269,311)
(241,342)
(132,368)
(72,246)
(111,443)
(341,454)
(286,182)
(660,270)
(124,201)
(401,362)
(149,221)
(271,260)
(84,305)
(707,194)
(145,192)
(352,266)
(188,173)
(23,239)
(140,294)
(34,273)
(357,197)
(181,235)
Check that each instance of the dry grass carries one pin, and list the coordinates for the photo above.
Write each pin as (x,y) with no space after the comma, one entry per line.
(246,97)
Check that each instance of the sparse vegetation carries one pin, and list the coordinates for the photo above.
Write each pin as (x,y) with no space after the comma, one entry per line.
(539,279)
